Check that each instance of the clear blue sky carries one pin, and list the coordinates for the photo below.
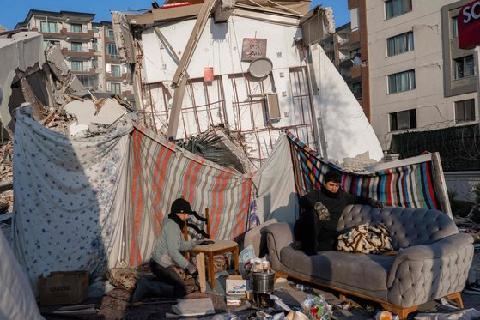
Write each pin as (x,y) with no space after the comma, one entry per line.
(13,11)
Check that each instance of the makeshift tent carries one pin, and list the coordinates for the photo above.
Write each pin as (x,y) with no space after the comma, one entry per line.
(162,172)
(69,197)
(410,183)
(85,203)
(16,298)
(294,169)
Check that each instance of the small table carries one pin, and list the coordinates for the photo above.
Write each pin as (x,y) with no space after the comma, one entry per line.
(211,250)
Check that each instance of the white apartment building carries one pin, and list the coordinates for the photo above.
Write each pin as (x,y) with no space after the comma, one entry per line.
(89,48)
(419,78)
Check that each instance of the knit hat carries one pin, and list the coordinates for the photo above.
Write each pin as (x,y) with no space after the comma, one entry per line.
(333,176)
(181,206)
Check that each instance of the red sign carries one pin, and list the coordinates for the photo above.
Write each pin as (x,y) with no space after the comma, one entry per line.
(469,25)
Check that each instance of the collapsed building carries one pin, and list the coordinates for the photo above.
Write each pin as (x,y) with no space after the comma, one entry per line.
(254,68)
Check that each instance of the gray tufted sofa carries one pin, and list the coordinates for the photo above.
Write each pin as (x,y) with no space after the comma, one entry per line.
(433,258)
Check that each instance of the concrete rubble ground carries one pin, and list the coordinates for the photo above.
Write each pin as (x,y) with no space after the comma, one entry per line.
(66,107)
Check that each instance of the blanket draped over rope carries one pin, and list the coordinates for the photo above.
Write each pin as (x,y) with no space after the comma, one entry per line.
(162,172)
(408,186)
(69,197)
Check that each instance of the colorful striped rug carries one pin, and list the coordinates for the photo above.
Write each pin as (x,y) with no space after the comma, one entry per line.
(162,172)
(408,186)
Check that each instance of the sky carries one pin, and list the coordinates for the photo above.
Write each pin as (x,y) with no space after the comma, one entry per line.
(13,11)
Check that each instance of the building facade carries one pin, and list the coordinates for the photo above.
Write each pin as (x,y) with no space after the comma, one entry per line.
(348,50)
(419,78)
(89,48)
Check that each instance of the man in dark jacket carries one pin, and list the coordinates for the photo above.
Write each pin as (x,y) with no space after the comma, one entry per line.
(316,229)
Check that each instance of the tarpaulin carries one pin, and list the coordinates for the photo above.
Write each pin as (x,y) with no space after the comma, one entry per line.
(162,172)
(408,186)
(69,197)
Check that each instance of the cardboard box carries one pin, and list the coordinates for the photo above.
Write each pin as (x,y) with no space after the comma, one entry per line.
(236,285)
(68,287)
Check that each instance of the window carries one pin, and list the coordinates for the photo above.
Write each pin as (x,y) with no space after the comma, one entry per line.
(115,88)
(76,65)
(96,29)
(395,8)
(116,72)
(455,27)
(399,44)
(76,46)
(48,27)
(464,67)
(402,81)
(109,33)
(403,120)
(95,45)
(77,28)
(112,49)
(356,88)
(465,111)
(89,82)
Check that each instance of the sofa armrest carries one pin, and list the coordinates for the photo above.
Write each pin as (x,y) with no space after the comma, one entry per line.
(278,236)
(425,272)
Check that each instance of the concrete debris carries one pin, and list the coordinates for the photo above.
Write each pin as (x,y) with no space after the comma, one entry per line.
(358,164)
(101,111)
(19,51)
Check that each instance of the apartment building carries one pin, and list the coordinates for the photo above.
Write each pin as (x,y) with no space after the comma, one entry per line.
(419,78)
(89,48)
(348,50)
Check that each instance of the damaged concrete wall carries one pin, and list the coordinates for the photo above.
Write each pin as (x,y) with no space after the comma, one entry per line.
(18,51)
(346,128)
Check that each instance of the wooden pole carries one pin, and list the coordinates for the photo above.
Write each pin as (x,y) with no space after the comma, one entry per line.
(207,216)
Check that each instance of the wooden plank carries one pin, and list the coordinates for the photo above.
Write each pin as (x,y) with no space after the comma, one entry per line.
(441,185)
(201,272)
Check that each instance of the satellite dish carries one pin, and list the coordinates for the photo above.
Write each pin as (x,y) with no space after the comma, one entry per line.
(260,67)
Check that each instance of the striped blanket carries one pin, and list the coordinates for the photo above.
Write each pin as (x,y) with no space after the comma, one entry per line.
(408,186)
(162,172)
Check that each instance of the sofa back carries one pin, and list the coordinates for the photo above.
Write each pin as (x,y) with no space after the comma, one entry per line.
(408,227)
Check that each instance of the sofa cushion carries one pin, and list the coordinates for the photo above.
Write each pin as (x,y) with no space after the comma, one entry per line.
(358,270)
(407,226)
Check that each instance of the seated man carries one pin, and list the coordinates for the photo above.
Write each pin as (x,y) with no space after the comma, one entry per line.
(316,229)
(166,258)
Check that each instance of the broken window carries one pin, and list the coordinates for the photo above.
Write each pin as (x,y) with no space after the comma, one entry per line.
(88,81)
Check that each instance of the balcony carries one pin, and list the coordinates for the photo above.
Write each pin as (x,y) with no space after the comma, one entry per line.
(79,36)
(114,78)
(356,71)
(86,54)
(85,71)
(112,59)
(355,37)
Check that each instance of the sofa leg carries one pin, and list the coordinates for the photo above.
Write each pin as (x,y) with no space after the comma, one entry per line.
(401,312)
(457,298)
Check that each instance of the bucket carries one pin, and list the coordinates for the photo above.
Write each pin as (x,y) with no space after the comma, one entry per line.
(263,282)
(208,74)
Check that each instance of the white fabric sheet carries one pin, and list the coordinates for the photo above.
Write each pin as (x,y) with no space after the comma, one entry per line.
(70,197)
(16,297)
(275,182)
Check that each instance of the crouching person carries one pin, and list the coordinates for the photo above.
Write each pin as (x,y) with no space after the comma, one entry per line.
(167,262)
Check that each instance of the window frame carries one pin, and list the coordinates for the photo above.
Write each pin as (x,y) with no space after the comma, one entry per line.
(463,104)
(406,38)
(394,120)
(117,67)
(49,25)
(463,61)
(400,8)
(394,78)
(76,44)
(79,62)
(72,25)
(112,45)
